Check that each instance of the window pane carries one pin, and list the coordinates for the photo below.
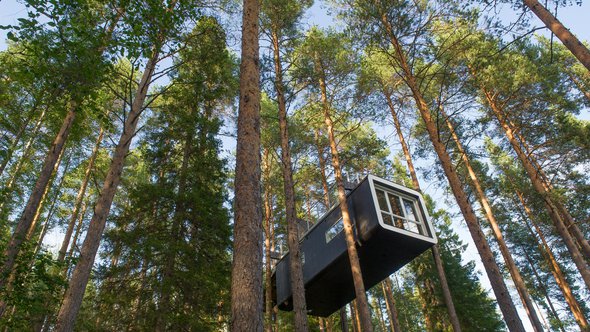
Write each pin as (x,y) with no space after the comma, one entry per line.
(387,219)
(413,227)
(399,223)
(381,200)
(395,205)
(410,210)
(334,230)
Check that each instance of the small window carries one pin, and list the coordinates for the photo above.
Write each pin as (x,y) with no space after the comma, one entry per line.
(334,230)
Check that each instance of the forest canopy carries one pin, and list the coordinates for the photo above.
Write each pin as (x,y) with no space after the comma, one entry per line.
(157,159)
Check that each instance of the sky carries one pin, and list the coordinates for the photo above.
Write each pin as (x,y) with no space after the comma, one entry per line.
(576,18)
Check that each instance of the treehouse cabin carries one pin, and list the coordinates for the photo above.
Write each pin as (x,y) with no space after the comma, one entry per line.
(391,228)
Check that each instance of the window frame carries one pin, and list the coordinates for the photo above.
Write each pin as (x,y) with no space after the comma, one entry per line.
(412,196)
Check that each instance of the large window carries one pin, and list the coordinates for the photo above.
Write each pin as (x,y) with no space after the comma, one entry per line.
(400,211)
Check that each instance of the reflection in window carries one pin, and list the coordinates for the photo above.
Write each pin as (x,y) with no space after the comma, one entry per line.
(334,230)
(400,212)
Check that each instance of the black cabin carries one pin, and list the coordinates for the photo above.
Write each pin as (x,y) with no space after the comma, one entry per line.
(392,228)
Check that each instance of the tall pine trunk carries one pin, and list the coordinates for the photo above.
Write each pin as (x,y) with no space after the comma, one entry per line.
(295,265)
(79,198)
(485,204)
(567,38)
(26,220)
(554,267)
(77,285)
(541,188)
(267,241)
(246,285)
(390,304)
(446,292)
(495,276)
(357,276)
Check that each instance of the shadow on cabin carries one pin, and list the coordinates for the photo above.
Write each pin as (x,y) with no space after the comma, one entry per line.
(392,228)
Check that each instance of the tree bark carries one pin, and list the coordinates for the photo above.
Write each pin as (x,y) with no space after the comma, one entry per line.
(567,38)
(554,267)
(390,304)
(246,287)
(24,157)
(79,198)
(446,292)
(541,188)
(497,282)
(322,162)
(17,138)
(295,265)
(357,276)
(34,200)
(267,243)
(77,285)
(35,220)
(485,204)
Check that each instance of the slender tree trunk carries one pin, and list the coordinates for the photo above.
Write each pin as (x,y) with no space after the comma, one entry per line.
(75,238)
(296,268)
(267,244)
(322,162)
(446,292)
(28,214)
(578,84)
(541,189)
(17,139)
(343,319)
(77,285)
(79,198)
(357,276)
(485,204)
(52,207)
(567,38)
(33,226)
(354,317)
(390,304)
(379,313)
(246,288)
(554,267)
(544,289)
(25,155)
(497,282)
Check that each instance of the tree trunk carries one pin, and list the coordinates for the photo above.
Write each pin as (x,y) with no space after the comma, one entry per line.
(35,220)
(246,288)
(357,276)
(497,282)
(51,210)
(77,285)
(24,157)
(343,319)
(541,189)
(295,265)
(267,244)
(544,289)
(446,292)
(322,162)
(17,138)
(79,198)
(28,214)
(378,312)
(485,204)
(567,38)
(75,237)
(554,267)
(390,304)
